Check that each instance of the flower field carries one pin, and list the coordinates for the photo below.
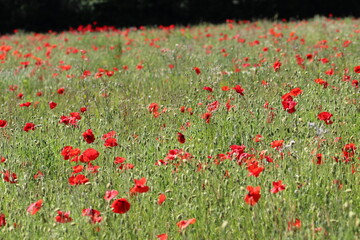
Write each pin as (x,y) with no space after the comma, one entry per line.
(243,130)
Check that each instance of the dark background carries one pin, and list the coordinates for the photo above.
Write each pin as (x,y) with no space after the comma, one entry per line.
(57,15)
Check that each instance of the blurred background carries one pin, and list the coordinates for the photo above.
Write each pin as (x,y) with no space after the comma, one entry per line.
(58,15)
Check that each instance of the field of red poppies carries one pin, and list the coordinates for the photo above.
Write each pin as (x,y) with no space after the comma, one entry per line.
(243,130)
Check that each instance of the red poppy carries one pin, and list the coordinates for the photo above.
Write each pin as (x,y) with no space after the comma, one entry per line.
(93,214)
(29,126)
(88,136)
(161,199)
(108,135)
(278,186)
(181,137)
(39,174)
(77,169)
(139,186)
(110,194)
(185,223)
(35,207)
(78,179)
(325,116)
(120,205)
(206,116)
(349,150)
(294,225)
(277,144)
(83,109)
(239,90)
(324,83)
(110,142)
(357,69)
(52,105)
(61,91)
(277,66)
(289,105)
(68,152)
(3,123)
(10,177)
(208,89)
(225,88)
(88,155)
(153,107)
(253,196)
(254,169)
(295,92)
(2,220)
(163,236)
(63,217)
(27,104)
(197,70)
(213,106)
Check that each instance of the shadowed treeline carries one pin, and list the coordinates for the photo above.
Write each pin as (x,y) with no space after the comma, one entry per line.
(43,15)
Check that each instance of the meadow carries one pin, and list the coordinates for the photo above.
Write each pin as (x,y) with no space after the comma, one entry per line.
(243,130)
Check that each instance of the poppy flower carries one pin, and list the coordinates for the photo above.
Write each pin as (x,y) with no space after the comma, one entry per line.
(139,186)
(357,69)
(68,152)
(294,225)
(61,91)
(93,214)
(39,174)
(253,196)
(225,88)
(78,179)
(108,135)
(163,236)
(35,207)
(278,186)
(239,90)
(325,116)
(153,107)
(254,169)
(63,217)
(197,70)
(120,205)
(208,89)
(3,123)
(324,83)
(110,194)
(206,116)
(349,150)
(88,136)
(289,105)
(83,109)
(277,66)
(2,220)
(88,155)
(110,142)
(181,137)
(185,223)
(10,177)
(295,92)
(77,169)
(27,104)
(52,105)
(29,126)
(213,106)
(277,144)
(161,199)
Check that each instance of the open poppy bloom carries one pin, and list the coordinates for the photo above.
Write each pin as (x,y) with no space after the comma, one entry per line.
(88,136)
(253,196)
(139,186)
(110,194)
(278,186)
(185,223)
(120,205)
(29,126)
(35,207)
(3,123)
(93,214)
(181,137)
(63,217)
(2,220)
(325,116)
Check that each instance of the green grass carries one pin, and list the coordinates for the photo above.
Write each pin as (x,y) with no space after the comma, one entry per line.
(120,103)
